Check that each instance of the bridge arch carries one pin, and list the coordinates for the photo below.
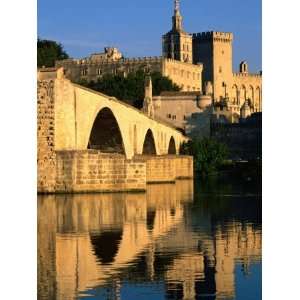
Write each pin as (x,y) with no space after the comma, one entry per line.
(105,134)
(149,147)
(172,146)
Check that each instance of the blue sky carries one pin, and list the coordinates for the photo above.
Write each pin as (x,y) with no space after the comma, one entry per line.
(136,26)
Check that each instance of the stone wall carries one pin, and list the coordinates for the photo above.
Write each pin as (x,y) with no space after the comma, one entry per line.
(184,167)
(186,75)
(167,168)
(93,171)
(46,158)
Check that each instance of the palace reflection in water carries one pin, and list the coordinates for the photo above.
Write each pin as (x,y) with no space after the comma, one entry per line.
(167,243)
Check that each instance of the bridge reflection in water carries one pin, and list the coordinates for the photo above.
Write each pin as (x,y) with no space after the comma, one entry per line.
(94,243)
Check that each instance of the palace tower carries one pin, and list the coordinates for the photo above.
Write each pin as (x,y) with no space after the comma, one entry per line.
(177,44)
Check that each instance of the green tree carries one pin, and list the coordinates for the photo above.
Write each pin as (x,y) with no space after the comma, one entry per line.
(48,52)
(208,154)
(130,89)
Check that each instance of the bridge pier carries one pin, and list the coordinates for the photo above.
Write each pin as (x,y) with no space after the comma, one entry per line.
(89,171)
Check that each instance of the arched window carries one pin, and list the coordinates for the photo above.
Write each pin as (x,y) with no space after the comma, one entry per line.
(251,95)
(243,95)
(258,98)
(235,93)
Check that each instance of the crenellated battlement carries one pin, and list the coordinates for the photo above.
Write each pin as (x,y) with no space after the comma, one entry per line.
(134,60)
(89,61)
(170,60)
(209,35)
(243,75)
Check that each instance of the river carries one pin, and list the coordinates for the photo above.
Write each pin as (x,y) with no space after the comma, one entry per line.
(189,240)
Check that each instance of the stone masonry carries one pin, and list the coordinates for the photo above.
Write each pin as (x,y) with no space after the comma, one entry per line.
(45,137)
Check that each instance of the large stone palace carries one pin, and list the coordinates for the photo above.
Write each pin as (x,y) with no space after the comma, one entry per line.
(200,63)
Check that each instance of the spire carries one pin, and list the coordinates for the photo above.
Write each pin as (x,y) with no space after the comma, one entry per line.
(177,6)
(177,18)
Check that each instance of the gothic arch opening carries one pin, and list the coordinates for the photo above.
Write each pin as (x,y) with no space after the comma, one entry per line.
(172,147)
(251,96)
(235,94)
(106,135)
(257,99)
(243,95)
(149,144)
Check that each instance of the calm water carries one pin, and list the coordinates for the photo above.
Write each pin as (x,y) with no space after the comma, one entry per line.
(177,241)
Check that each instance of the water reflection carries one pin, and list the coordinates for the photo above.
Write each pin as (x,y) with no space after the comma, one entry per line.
(165,244)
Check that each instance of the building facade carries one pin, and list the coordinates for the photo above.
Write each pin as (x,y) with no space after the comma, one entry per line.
(187,76)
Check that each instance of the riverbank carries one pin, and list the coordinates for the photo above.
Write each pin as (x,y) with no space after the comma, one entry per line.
(250,171)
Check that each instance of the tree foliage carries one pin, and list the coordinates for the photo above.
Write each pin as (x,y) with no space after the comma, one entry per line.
(208,154)
(48,52)
(130,88)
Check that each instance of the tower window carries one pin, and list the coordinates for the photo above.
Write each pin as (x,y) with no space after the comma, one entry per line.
(220,69)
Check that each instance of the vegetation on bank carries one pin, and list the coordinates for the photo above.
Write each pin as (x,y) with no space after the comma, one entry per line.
(209,155)
(48,52)
(130,89)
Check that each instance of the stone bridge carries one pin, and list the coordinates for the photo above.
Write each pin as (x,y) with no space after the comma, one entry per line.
(75,122)
(86,119)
